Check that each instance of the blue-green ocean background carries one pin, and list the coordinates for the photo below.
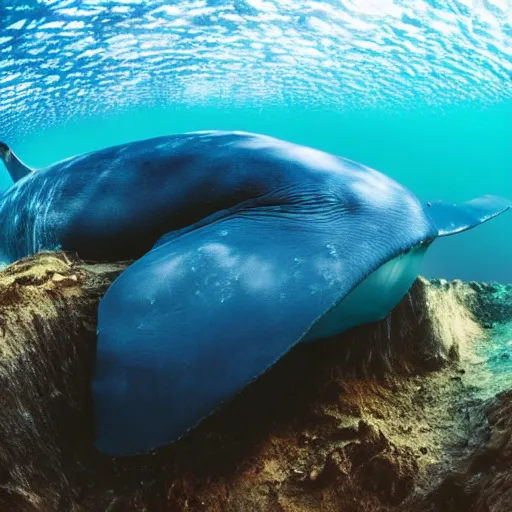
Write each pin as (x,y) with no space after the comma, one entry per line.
(445,133)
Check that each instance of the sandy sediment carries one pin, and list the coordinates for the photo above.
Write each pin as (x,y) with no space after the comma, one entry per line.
(400,415)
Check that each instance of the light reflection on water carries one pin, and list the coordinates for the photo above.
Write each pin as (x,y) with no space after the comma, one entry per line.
(65,58)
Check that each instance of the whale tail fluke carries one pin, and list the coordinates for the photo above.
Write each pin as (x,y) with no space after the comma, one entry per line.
(450,219)
(17,169)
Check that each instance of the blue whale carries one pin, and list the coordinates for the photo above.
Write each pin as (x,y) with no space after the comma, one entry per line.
(245,245)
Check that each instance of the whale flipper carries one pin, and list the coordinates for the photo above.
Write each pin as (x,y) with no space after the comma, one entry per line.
(17,169)
(450,219)
(195,320)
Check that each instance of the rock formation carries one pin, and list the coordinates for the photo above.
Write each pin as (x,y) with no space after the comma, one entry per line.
(400,415)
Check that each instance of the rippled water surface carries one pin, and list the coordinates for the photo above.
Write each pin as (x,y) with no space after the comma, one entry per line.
(418,89)
(104,54)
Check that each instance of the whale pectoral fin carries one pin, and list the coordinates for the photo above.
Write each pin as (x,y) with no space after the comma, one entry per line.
(195,320)
(454,218)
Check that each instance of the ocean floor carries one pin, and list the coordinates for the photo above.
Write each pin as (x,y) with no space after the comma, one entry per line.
(411,414)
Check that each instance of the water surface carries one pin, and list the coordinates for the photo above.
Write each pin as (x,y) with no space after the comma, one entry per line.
(420,90)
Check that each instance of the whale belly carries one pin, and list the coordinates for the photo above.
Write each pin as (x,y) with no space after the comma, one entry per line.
(374,298)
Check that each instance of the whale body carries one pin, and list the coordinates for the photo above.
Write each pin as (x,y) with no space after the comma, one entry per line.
(245,245)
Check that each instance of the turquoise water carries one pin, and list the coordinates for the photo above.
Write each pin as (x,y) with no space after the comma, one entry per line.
(418,90)
(492,368)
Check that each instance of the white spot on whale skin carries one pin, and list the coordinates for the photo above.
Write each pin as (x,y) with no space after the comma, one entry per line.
(223,289)
(332,250)
(257,274)
(331,270)
(172,267)
(222,253)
